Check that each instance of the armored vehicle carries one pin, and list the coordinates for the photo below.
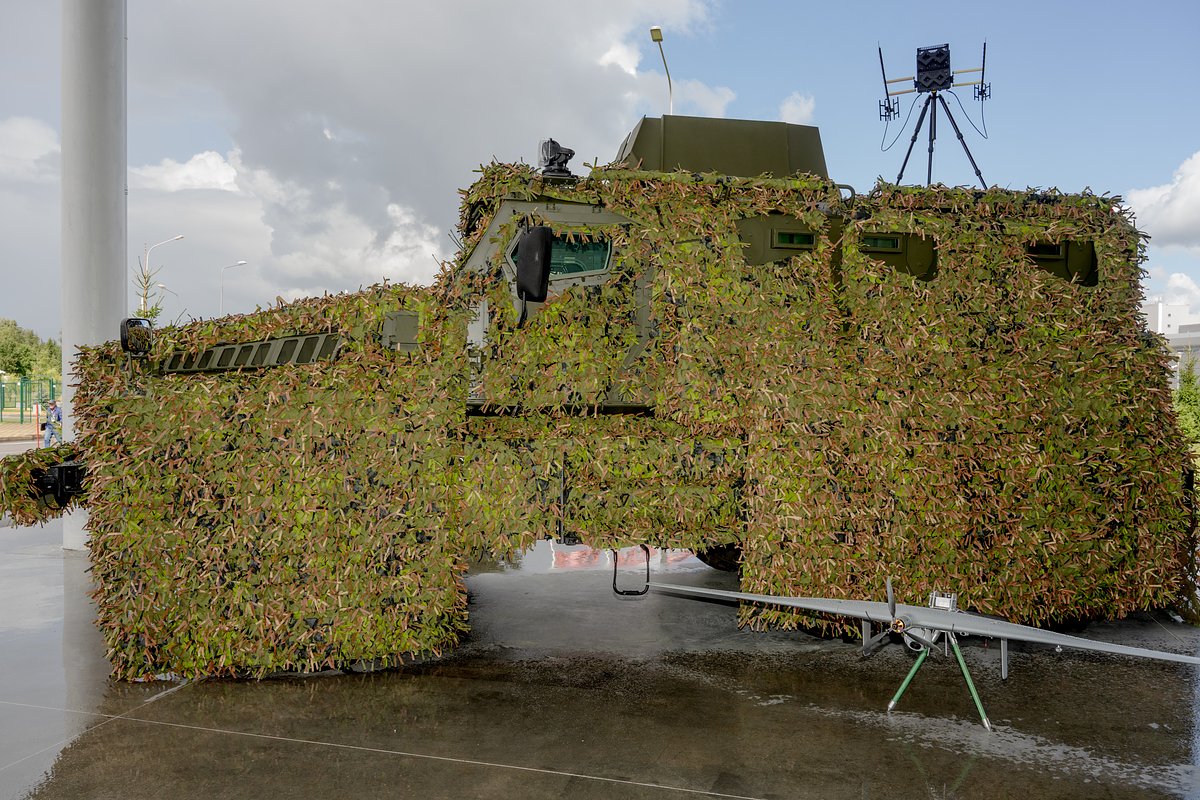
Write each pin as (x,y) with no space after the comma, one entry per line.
(707,344)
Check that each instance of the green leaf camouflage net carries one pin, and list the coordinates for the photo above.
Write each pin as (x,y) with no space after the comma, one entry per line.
(945,386)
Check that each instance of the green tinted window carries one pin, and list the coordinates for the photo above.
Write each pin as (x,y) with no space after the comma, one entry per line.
(1045,250)
(568,258)
(889,244)
(575,257)
(793,239)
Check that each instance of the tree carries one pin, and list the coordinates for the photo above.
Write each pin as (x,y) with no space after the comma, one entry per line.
(47,361)
(149,301)
(1187,402)
(23,353)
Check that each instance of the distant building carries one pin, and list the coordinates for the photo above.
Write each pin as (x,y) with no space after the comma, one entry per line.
(1181,329)
(1167,318)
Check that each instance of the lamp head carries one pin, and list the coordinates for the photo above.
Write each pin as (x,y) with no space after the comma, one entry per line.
(655,33)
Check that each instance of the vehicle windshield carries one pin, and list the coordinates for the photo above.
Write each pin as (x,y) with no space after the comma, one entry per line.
(575,257)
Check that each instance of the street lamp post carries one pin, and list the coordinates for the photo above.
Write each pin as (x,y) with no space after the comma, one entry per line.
(162,287)
(146,273)
(656,35)
(221,307)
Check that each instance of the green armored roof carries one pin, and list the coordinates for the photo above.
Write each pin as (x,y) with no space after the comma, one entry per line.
(744,148)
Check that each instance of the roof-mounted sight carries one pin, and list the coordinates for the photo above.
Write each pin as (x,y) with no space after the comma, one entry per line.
(553,158)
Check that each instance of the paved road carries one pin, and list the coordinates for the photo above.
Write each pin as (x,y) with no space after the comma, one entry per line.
(562,690)
(12,448)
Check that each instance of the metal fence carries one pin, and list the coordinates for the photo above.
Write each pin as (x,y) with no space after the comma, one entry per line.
(18,397)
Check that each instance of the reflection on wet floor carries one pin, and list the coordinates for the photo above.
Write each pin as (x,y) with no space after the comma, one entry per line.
(551,556)
(563,689)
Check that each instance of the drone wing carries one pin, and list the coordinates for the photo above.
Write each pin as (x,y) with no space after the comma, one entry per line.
(931,618)
(969,624)
(862,609)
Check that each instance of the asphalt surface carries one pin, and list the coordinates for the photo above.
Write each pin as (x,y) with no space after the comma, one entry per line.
(12,447)
(564,690)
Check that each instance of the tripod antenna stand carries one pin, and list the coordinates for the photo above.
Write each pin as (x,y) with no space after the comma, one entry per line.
(929,107)
(933,77)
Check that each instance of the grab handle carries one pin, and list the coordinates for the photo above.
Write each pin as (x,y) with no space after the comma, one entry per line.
(632,592)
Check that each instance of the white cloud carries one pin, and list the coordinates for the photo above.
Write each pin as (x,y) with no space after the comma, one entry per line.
(29,150)
(298,240)
(330,142)
(30,224)
(29,239)
(348,253)
(1171,277)
(1182,289)
(1170,213)
(708,101)
(399,103)
(354,131)
(207,170)
(623,55)
(798,109)
(261,183)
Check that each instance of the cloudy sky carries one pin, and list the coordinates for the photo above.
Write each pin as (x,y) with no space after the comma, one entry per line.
(325,143)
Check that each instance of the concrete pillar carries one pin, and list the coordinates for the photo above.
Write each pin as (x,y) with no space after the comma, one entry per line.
(94,168)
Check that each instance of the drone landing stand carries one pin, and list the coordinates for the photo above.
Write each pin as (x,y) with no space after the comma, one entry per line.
(921,656)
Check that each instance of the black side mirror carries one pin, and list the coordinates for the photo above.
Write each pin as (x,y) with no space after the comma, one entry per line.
(58,481)
(533,264)
(136,336)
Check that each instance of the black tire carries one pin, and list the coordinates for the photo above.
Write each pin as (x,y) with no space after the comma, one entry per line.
(725,557)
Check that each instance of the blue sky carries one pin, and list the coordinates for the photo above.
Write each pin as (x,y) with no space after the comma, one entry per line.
(325,143)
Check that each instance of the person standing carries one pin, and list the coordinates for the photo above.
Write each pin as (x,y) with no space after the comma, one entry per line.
(52,424)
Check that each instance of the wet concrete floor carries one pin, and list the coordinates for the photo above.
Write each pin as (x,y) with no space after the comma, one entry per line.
(563,690)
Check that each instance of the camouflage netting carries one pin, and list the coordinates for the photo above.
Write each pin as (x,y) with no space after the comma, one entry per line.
(17,476)
(293,518)
(995,430)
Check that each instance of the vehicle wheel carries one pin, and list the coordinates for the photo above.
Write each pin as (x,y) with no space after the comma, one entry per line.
(725,557)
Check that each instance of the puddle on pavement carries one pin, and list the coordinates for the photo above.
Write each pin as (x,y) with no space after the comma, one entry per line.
(558,675)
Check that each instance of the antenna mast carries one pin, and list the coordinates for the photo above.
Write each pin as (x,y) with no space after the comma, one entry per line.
(933,77)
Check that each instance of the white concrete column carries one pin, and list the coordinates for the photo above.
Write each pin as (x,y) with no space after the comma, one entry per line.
(94,168)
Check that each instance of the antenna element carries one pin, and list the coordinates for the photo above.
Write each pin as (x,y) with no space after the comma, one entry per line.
(933,77)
